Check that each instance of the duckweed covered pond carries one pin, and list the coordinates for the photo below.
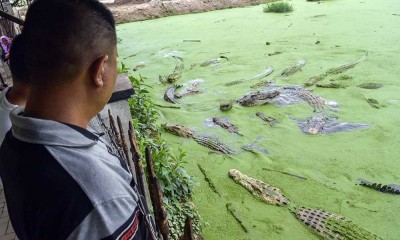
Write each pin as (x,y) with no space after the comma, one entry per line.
(325,35)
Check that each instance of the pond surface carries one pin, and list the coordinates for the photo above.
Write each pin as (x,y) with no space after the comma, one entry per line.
(325,35)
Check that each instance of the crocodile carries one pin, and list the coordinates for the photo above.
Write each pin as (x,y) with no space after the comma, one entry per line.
(258,98)
(330,226)
(213,143)
(190,89)
(187,92)
(162,79)
(313,80)
(316,102)
(370,85)
(345,67)
(236,82)
(345,77)
(260,189)
(336,70)
(249,148)
(265,73)
(331,85)
(178,130)
(227,125)
(390,188)
(262,83)
(272,121)
(169,94)
(293,69)
(213,61)
(319,124)
(254,148)
(177,71)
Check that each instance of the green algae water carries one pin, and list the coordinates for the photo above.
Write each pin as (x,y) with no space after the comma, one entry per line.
(325,35)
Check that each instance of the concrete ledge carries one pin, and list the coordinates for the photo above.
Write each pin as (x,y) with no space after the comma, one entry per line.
(123,89)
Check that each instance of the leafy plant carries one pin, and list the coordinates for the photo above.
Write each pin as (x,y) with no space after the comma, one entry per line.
(278,7)
(168,166)
(177,217)
(123,69)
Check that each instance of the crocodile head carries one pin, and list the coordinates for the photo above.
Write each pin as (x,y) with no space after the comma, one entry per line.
(173,77)
(178,130)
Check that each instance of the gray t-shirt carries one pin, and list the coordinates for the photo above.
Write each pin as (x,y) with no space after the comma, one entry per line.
(5,108)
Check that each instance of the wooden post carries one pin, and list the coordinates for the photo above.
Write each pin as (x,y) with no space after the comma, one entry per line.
(156,196)
(136,159)
(123,142)
(188,230)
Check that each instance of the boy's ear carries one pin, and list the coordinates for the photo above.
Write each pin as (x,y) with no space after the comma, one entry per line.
(98,69)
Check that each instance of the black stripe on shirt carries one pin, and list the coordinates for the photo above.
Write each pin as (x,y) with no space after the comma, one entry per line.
(44,201)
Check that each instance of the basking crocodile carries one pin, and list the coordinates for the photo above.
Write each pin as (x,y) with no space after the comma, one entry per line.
(227,125)
(272,121)
(319,124)
(345,67)
(178,130)
(258,98)
(213,143)
(265,73)
(169,94)
(260,189)
(331,226)
(390,188)
(293,69)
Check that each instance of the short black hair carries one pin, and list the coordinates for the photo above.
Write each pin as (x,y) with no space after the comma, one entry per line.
(64,35)
(17,60)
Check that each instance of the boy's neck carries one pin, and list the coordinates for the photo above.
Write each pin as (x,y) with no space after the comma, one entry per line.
(17,95)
